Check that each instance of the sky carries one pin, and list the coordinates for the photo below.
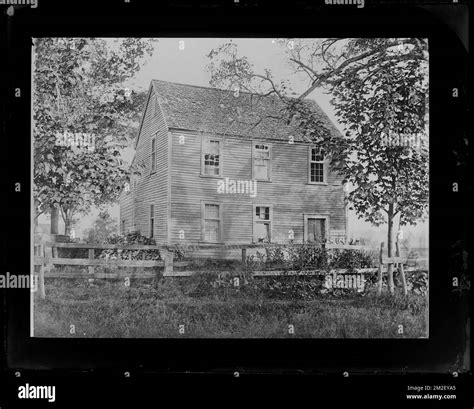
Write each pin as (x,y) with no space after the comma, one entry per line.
(184,60)
(188,65)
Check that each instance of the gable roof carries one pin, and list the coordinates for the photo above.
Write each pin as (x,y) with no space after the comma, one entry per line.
(216,111)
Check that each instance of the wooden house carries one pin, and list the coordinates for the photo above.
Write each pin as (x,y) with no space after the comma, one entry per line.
(219,166)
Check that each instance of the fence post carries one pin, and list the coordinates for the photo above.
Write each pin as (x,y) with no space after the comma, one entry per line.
(41,274)
(244,256)
(168,260)
(379,277)
(402,270)
(91,257)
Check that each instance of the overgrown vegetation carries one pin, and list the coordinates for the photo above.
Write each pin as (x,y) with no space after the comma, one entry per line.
(156,308)
(223,298)
(125,239)
(304,257)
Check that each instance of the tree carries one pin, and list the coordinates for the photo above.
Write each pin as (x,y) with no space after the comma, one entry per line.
(390,180)
(104,227)
(79,94)
(379,89)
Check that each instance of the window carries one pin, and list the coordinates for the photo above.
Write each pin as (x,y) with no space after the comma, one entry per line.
(316,228)
(261,162)
(153,154)
(262,224)
(152,221)
(122,226)
(317,167)
(212,222)
(211,157)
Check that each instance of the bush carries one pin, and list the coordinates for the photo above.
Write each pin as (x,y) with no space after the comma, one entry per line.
(307,257)
(128,239)
(135,237)
(417,281)
(350,259)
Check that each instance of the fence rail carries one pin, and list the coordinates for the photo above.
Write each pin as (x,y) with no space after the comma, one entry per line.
(195,247)
(190,273)
(46,256)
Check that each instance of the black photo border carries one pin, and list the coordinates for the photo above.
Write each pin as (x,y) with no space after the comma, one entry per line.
(445,352)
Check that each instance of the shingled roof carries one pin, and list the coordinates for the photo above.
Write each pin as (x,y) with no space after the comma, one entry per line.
(211,110)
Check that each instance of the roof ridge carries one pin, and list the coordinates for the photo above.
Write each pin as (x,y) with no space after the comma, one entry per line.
(183,106)
(224,90)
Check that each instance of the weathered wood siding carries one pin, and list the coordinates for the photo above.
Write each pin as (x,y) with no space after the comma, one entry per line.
(126,209)
(151,188)
(289,192)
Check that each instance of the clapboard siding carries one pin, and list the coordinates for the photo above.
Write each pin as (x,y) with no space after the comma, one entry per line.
(126,209)
(289,193)
(152,188)
(177,189)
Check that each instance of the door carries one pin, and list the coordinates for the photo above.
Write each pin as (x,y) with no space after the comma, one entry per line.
(315,228)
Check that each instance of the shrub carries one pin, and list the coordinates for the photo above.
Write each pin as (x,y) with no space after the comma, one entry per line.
(135,238)
(127,239)
(307,257)
(417,281)
(350,259)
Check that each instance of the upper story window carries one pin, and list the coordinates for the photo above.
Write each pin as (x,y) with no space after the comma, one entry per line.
(317,166)
(153,154)
(261,161)
(211,162)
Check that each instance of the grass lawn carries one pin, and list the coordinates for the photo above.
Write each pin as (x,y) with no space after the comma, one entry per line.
(157,308)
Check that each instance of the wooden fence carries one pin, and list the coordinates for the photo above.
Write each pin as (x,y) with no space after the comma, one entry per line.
(46,256)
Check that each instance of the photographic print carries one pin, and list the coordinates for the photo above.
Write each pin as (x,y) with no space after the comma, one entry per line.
(230,187)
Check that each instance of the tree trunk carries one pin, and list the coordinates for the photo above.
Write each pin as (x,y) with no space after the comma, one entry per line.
(67,215)
(54,220)
(380,271)
(67,227)
(390,283)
